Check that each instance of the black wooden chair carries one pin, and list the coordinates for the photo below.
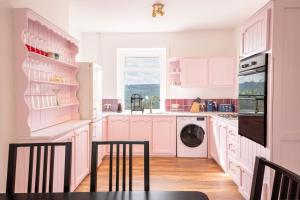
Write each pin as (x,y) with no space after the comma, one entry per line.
(12,165)
(94,161)
(286,183)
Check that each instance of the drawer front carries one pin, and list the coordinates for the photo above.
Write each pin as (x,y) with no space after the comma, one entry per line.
(233,134)
(233,149)
(234,171)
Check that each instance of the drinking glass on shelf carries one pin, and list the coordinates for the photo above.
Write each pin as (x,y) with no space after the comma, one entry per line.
(33,105)
(46,103)
(37,102)
(26,39)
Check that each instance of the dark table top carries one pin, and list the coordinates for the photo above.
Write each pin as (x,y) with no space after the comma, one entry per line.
(152,195)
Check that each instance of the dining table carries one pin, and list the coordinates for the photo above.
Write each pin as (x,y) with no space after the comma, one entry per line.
(133,195)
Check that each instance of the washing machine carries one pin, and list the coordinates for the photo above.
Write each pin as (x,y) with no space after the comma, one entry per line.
(191,137)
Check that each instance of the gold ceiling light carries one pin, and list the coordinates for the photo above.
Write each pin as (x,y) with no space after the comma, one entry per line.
(158,9)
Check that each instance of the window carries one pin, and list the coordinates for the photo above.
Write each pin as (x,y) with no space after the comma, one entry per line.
(142,71)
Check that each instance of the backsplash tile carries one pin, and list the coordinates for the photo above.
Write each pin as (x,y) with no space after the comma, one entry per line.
(184,105)
(113,102)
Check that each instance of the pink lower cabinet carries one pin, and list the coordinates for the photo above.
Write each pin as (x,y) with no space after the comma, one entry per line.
(140,130)
(104,134)
(82,146)
(80,158)
(164,136)
(223,145)
(96,129)
(118,128)
(59,164)
(245,182)
(214,140)
(234,170)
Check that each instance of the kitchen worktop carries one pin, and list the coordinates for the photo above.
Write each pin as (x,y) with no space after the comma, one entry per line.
(233,122)
(55,131)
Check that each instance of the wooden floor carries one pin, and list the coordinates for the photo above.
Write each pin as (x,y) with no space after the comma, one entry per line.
(181,174)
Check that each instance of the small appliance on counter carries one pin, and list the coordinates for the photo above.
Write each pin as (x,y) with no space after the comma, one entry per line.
(226,108)
(211,106)
(119,109)
(196,106)
(136,103)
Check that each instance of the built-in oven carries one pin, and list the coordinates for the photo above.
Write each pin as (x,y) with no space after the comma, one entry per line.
(253,75)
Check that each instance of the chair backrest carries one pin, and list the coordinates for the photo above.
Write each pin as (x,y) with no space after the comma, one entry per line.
(94,162)
(286,184)
(12,165)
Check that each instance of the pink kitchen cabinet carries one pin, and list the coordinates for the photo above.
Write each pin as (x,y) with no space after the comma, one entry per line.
(255,36)
(140,130)
(46,85)
(214,140)
(59,164)
(194,72)
(97,135)
(82,156)
(164,136)
(223,146)
(104,134)
(118,128)
(222,72)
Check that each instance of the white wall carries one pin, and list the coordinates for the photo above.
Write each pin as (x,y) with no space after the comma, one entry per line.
(57,12)
(189,44)
(6,89)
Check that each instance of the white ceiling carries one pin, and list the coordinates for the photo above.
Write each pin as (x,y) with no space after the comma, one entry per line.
(181,15)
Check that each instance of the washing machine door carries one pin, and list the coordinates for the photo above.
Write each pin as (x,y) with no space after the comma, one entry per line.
(192,135)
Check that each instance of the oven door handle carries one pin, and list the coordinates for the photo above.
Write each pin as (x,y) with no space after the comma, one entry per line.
(246,114)
(249,72)
(252,71)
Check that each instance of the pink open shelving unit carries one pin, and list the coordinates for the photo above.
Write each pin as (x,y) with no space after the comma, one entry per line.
(174,72)
(45,71)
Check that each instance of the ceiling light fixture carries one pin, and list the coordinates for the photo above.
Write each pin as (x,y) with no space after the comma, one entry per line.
(158,9)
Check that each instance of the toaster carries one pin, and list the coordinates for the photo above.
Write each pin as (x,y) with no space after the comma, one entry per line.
(226,108)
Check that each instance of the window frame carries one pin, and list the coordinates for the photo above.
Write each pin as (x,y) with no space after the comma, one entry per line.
(141,52)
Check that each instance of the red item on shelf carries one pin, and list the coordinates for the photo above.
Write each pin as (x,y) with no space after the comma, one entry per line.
(35,50)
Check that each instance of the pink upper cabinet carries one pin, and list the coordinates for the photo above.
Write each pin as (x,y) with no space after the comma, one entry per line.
(222,72)
(194,72)
(255,36)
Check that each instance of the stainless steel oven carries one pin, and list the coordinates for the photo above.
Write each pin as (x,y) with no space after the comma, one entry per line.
(253,74)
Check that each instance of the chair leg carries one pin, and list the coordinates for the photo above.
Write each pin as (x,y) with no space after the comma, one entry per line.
(257,181)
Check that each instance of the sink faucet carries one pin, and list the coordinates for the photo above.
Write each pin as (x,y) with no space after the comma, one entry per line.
(152,99)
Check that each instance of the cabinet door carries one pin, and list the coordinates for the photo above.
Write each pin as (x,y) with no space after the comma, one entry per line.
(118,128)
(140,130)
(194,72)
(214,140)
(104,135)
(222,72)
(97,136)
(234,171)
(164,136)
(223,146)
(58,181)
(81,154)
(255,34)
(246,183)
